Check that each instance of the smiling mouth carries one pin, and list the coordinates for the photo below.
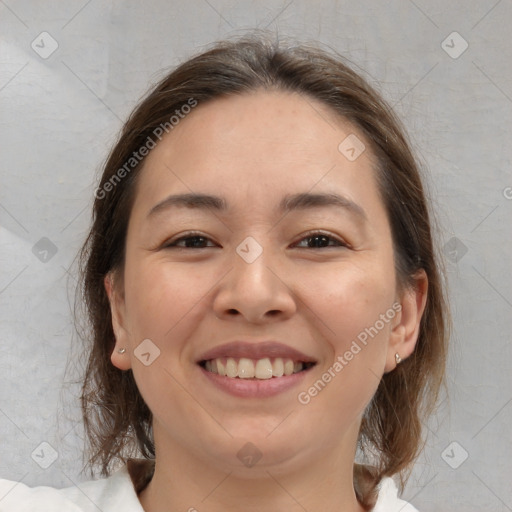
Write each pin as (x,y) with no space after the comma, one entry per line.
(257,369)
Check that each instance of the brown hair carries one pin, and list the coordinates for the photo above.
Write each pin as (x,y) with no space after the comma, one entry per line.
(117,420)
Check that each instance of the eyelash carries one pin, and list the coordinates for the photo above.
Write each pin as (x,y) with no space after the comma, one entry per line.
(309,235)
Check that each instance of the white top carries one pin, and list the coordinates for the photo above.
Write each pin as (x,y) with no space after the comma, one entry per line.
(117,493)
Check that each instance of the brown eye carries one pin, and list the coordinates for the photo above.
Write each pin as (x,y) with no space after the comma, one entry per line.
(319,241)
(191,242)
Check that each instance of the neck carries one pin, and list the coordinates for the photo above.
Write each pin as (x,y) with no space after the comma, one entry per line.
(185,482)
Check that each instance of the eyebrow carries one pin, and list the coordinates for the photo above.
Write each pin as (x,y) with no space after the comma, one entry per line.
(291,202)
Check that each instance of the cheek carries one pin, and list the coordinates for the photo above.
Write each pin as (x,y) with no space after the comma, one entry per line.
(349,298)
(354,320)
(166,304)
(160,297)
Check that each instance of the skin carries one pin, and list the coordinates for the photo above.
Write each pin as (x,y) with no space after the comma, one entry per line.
(252,150)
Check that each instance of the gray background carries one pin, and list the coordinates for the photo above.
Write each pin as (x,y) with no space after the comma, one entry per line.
(60,114)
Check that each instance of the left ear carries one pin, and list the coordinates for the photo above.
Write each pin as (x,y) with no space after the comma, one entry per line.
(406,326)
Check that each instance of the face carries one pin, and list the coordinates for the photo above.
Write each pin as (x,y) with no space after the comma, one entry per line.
(281,261)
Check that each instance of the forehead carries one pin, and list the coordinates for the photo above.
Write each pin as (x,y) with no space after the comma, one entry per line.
(253,145)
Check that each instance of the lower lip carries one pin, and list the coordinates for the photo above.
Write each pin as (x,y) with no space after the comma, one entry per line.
(255,388)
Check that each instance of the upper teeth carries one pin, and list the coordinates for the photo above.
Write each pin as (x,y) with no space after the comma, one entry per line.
(249,368)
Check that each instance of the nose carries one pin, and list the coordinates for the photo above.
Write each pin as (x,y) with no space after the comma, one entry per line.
(255,291)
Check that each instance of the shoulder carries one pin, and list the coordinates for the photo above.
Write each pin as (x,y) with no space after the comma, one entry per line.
(118,493)
(16,496)
(388,500)
(109,494)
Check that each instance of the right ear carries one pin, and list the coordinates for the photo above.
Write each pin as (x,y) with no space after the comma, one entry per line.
(117,310)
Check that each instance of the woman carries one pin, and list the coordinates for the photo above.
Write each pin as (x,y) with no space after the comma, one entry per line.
(263,292)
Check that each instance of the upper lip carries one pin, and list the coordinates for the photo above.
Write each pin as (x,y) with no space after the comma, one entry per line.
(258,350)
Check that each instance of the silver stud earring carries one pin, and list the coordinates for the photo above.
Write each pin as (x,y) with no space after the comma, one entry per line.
(398,359)
(121,350)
